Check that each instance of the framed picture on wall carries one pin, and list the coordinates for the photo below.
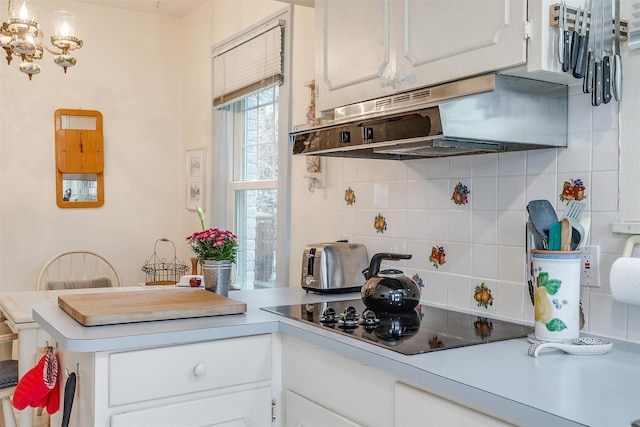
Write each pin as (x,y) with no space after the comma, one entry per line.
(195,178)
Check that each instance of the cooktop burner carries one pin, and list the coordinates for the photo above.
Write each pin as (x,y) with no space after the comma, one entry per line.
(419,331)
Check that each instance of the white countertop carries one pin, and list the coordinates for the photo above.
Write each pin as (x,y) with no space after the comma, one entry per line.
(555,389)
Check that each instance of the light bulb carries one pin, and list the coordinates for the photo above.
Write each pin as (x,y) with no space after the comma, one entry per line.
(24,14)
(64,29)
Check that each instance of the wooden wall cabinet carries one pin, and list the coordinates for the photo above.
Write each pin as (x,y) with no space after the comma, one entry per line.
(79,158)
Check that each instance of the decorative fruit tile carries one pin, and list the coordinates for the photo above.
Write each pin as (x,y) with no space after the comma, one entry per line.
(416,278)
(437,257)
(349,196)
(573,190)
(483,327)
(380,223)
(460,193)
(482,295)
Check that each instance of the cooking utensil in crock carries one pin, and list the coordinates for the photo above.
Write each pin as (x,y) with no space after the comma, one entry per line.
(389,290)
(542,216)
(573,212)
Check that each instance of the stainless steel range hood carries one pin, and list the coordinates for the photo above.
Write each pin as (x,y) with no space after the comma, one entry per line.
(484,114)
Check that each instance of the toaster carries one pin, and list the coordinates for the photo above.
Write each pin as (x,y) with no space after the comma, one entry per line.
(334,267)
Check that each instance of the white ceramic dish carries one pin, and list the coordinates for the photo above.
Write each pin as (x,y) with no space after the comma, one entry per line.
(577,346)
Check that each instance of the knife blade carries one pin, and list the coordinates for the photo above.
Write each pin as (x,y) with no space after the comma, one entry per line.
(607,51)
(561,33)
(617,58)
(587,84)
(575,40)
(566,38)
(596,98)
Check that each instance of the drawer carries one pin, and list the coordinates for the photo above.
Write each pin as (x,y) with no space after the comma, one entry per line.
(140,375)
(245,408)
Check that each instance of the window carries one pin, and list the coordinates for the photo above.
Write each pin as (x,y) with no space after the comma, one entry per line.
(250,144)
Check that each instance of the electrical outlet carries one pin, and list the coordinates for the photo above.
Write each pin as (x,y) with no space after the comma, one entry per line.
(590,267)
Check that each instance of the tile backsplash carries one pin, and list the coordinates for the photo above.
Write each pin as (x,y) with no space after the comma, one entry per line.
(484,238)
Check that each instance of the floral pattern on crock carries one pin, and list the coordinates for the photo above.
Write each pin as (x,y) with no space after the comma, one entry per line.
(460,193)
(349,196)
(437,256)
(380,223)
(543,310)
(482,295)
(573,190)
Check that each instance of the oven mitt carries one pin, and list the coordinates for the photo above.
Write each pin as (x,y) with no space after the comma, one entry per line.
(38,388)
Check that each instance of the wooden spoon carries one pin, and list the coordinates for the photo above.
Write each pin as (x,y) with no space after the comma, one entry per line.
(565,234)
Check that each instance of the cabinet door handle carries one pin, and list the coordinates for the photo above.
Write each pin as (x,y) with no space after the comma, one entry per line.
(199,370)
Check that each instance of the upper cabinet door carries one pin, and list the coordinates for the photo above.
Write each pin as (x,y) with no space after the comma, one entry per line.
(370,49)
(444,40)
(352,50)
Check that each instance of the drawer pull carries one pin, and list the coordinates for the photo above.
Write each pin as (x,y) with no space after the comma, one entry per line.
(199,370)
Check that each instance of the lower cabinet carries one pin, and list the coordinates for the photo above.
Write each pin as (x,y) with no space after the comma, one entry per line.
(322,385)
(214,383)
(415,407)
(303,412)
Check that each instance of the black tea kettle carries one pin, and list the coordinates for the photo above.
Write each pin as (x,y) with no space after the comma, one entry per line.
(389,290)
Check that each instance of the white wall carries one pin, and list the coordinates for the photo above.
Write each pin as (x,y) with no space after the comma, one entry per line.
(129,69)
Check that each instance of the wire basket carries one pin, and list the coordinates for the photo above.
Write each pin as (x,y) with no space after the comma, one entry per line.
(161,272)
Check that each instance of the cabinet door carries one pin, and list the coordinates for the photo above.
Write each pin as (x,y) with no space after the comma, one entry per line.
(301,412)
(417,407)
(443,40)
(352,50)
(246,408)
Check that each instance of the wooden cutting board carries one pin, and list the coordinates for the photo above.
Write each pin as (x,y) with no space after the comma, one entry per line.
(109,308)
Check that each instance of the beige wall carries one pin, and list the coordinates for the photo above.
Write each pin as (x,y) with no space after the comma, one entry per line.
(130,69)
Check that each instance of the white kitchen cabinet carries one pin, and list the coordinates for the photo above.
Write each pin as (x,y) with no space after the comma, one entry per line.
(377,48)
(303,412)
(415,407)
(321,383)
(225,382)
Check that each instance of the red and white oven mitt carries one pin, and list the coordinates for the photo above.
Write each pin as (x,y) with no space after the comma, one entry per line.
(39,387)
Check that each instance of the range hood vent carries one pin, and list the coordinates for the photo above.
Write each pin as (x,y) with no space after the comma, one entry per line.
(484,114)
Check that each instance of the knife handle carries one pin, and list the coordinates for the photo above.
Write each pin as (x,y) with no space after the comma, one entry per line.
(575,45)
(596,93)
(606,79)
(581,57)
(567,51)
(587,84)
(617,77)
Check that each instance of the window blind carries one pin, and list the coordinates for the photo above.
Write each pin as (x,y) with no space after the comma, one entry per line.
(248,64)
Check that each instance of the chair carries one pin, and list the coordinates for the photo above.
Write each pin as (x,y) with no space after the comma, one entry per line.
(77,269)
(8,382)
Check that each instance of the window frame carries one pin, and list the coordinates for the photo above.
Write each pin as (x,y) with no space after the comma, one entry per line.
(221,193)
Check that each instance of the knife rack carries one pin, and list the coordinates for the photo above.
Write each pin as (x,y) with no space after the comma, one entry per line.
(554,19)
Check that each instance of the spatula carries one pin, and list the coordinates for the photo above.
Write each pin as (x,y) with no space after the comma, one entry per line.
(573,213)
(542,216)
(565,234)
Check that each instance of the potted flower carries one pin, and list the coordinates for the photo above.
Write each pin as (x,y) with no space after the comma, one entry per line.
(216,251)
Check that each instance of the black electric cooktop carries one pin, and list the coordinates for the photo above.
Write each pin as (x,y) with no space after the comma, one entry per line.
(422,330)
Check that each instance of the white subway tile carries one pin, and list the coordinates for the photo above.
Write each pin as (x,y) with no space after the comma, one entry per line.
(605,116)
(604,191)
(512,264)
(460,167)
(417,224)
(438,194)
(484,227)
(460,226)
(484,261)
(459,291)
(512,163)
(349,169)
(577,156)
(417,169)
(438,168)
(438,226)
(542,187)
(511,228)
(435,287)
(485,193)
(542,161)
(511,193)
(380,195)
(605,150)
(510,299)
(365,169)
(458,257)
(485,165)
(417,194)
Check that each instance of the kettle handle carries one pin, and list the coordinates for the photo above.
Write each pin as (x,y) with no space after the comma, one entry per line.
(376,260)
